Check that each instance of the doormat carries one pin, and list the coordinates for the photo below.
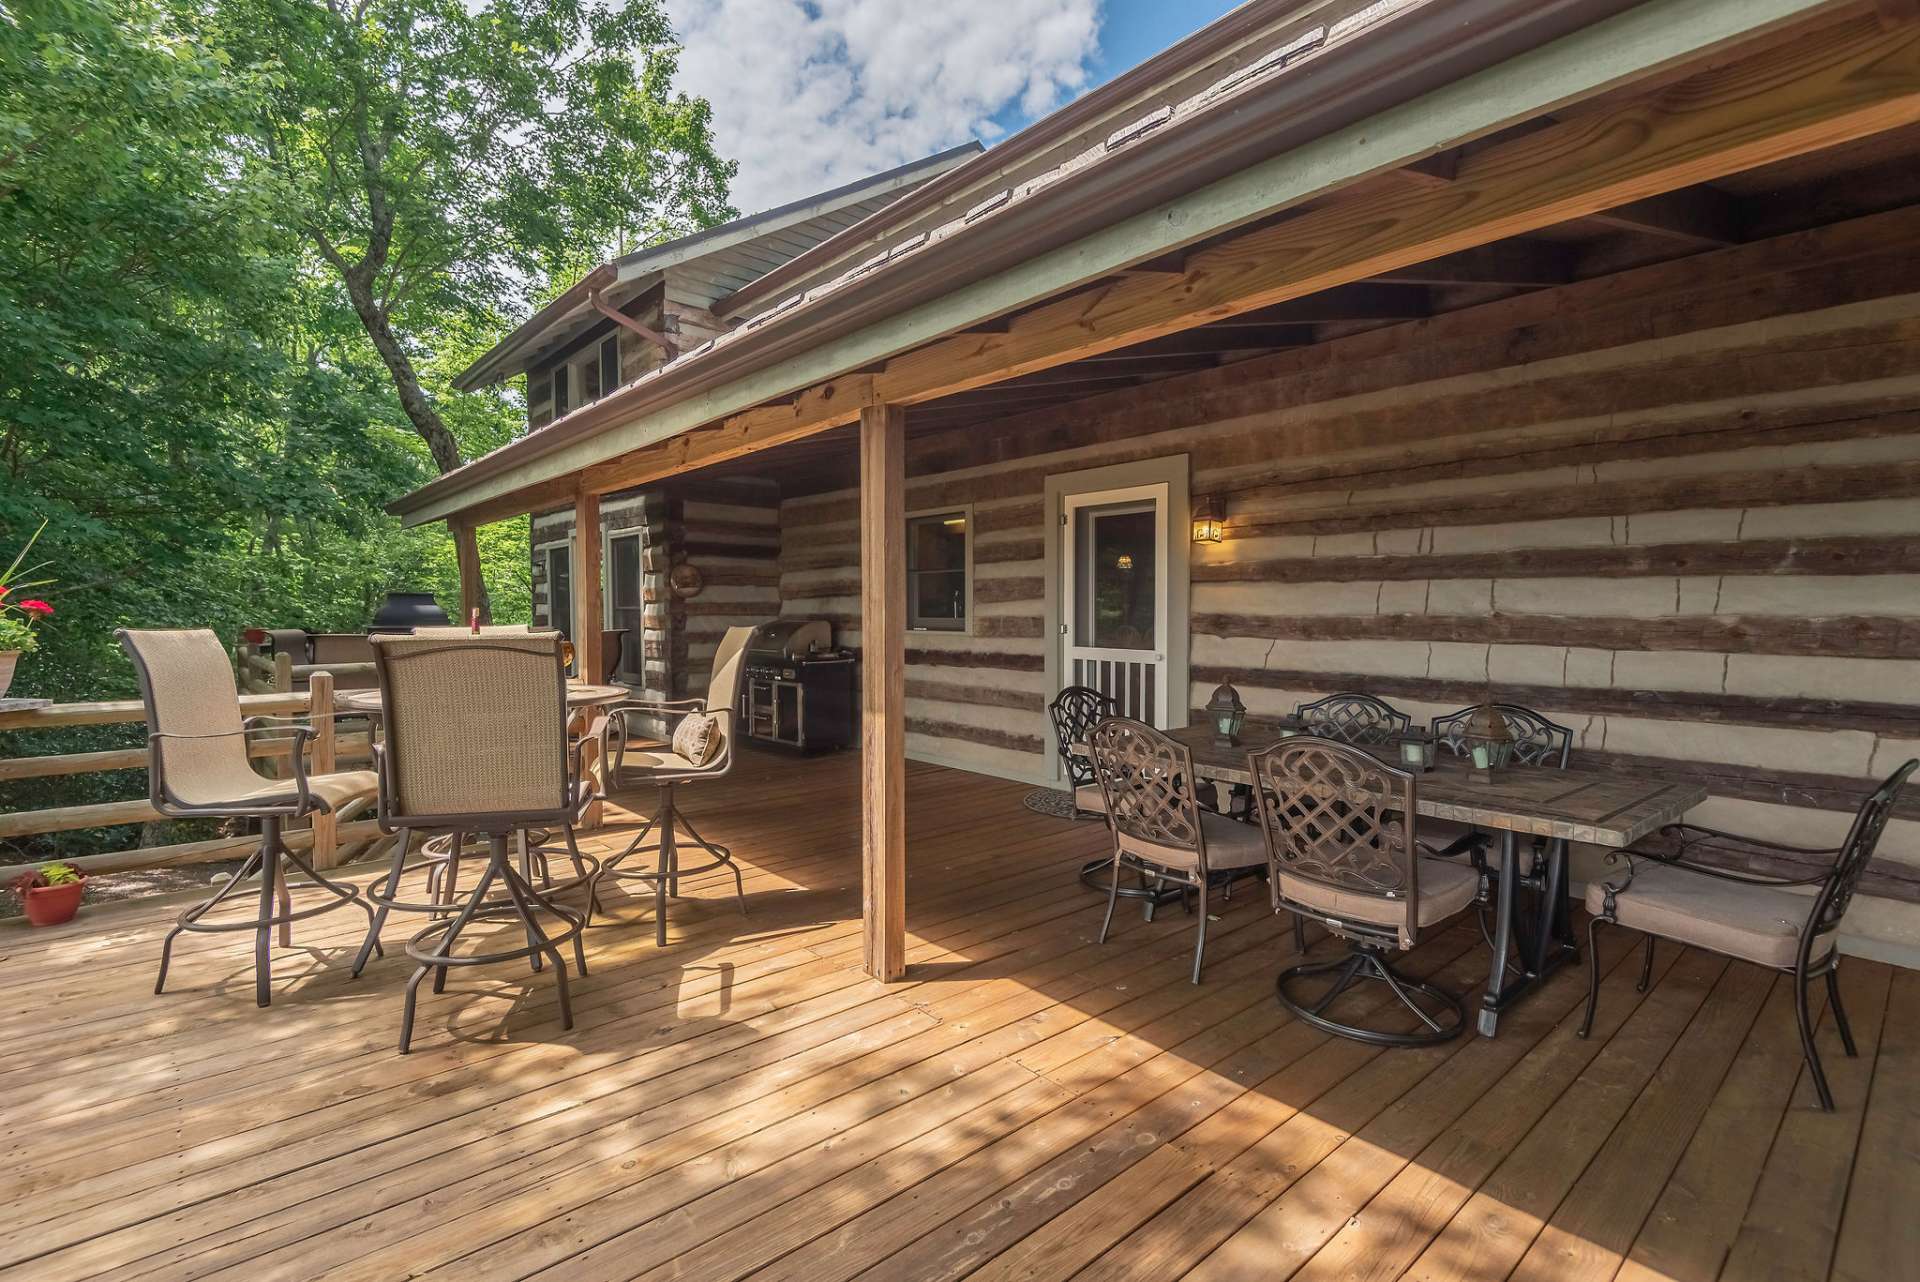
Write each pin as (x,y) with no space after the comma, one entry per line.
(1050,801)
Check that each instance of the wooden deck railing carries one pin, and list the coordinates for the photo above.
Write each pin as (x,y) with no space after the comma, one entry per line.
(332,838)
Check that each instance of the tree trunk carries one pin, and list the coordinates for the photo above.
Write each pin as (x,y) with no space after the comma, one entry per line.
(419,410)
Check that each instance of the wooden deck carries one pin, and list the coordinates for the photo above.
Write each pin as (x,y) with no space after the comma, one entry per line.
(1030,1104)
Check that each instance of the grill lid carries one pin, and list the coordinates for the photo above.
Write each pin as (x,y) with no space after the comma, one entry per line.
(785,640)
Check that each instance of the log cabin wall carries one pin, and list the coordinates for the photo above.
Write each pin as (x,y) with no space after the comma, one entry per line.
(1676,508)
(730,532)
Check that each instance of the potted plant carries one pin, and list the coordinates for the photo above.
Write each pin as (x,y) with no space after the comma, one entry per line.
(50,893)
(19,614)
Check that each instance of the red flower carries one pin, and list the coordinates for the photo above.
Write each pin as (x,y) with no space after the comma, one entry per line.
(36,607)
(3,591)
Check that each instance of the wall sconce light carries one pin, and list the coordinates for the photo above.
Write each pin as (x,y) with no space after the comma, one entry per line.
(1206,521)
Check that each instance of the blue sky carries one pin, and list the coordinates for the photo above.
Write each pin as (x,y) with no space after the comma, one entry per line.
(808,94)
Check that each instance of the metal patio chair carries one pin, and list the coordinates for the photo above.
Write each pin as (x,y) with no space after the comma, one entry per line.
(1354,718)
(199,767)
(1158,826)
(476,743)
(1340,840)
(1537,742)
(1668,894)
(667,769)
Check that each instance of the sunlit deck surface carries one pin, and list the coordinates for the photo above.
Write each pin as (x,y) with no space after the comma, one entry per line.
(1032,1103)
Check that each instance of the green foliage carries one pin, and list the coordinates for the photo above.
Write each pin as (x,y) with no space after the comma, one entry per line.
(244,247)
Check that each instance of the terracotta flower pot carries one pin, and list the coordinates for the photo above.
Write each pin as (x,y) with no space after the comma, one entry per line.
(54,905)
(8,658)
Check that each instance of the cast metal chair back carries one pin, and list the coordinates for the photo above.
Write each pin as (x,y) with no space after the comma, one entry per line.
(1536,740)
(1354,718)
(1075,711)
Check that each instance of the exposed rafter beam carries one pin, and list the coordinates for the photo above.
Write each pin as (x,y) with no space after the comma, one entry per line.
(1346,303)
(1697,216)
(1532,264)
(1208,341)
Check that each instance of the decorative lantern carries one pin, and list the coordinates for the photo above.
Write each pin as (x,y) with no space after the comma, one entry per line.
(1227,714)
(1416,750)
(1489,741)
(1206,521)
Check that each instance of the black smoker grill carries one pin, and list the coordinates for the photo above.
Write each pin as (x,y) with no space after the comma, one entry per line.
(797,689)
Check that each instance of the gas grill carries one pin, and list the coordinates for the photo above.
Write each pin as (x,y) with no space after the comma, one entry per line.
(796,689)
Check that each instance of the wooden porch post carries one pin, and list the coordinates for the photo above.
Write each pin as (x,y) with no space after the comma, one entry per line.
(466,554)
(883,730)
(587,611)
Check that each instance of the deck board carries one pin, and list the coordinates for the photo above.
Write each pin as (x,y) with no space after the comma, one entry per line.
(1029,1104)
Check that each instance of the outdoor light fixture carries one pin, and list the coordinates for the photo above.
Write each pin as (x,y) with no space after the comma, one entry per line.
(1124,561)
(1227,714)
(1416,750)
(1206,521)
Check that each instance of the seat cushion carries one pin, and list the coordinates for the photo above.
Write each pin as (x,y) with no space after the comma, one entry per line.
(660,761)
(1089,797)
(1230,844)
(1756,923)
(1438,834)
(332,790)
(1447,886)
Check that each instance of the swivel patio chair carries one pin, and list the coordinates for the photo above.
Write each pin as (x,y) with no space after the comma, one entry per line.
(1074,712)
(1354,718)
(1340,834)
(199,767)
(1158,827)
(701,749)
(1671,894)
(476,742)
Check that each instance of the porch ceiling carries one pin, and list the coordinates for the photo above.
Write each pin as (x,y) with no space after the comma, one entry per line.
(1870,175)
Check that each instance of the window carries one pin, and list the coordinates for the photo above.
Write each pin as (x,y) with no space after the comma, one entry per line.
(558,558)
(561,386)
(937,571)
(609,363)
(589,379)
(625,601)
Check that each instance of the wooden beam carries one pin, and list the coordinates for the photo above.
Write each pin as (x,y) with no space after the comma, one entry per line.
(1697,216)
(1207,341)
(466,555)
(883,736)
(588,608)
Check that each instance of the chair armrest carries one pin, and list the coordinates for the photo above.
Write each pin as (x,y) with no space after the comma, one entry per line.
(1693,837)
(298,754)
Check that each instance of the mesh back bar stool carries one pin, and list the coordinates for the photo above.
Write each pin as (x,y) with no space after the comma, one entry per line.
(1339,833)
(669,829)
(1671,894)
(476,742)
(1354,718)
(199,768)
(1158,827)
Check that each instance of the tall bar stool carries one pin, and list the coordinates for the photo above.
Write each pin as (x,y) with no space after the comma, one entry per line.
(476,742)
(198,767)
(701,748)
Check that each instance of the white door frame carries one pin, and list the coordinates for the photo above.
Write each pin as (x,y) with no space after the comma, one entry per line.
(1171,472)
(607,537)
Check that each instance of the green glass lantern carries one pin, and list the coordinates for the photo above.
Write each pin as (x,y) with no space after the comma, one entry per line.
(1226,714)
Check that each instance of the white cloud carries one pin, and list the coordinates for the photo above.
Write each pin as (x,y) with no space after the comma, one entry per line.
(810,95)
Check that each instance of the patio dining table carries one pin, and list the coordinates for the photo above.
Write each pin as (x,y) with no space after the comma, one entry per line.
(583,697)
(1602,808)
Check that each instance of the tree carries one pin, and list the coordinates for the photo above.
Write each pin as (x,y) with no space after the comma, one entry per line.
(443,157)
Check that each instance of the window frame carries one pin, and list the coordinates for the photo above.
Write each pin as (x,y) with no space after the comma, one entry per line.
(559,399)
(962,626)
(545,551)
(609,380)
